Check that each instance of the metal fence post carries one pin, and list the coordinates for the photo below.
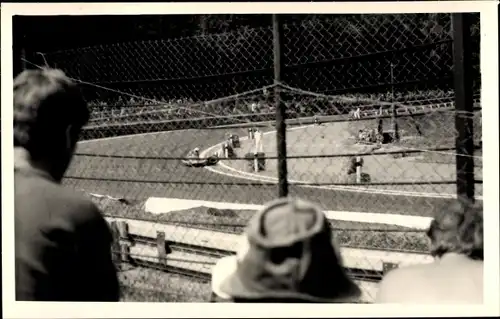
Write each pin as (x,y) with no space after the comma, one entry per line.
(464,107)
(280,109)
(394,116)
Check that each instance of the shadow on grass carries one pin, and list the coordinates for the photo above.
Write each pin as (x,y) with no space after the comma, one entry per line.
(149,285)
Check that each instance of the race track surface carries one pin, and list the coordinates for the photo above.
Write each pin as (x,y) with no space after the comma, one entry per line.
(158,174)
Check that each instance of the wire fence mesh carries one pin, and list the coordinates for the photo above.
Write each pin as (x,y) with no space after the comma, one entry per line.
(370,114)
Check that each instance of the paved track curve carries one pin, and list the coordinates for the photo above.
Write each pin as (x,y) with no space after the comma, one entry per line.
(156,175)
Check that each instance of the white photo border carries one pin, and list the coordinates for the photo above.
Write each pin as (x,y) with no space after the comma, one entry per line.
(489,68)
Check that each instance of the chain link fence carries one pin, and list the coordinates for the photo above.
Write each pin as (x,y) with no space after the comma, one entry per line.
(370,117)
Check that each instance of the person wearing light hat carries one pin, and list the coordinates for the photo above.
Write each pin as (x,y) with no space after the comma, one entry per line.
(456,275)
(287,255)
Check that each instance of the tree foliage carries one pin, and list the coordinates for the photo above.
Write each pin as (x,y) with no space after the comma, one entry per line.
(209,56)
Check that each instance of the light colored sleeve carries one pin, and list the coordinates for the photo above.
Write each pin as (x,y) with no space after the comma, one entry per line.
(390,288)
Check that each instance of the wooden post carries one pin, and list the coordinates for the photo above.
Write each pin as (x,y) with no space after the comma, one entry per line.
(124,242)
(162,249)
(115,245)
(123,230)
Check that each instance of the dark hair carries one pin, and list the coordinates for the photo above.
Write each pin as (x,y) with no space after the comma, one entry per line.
(46,103)
(458,229)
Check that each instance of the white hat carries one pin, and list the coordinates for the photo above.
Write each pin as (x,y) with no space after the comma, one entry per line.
(226,266)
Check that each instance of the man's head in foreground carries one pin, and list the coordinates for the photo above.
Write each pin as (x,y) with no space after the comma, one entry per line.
(49,113)
(287,255)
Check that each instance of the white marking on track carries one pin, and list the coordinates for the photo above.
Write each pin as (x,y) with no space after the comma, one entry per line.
(130,135)
(270,179)
(255,177)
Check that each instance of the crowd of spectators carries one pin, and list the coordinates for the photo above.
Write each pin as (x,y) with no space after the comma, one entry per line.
(299,104)
(288,251)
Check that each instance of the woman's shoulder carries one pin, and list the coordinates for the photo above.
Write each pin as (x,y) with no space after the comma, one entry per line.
(398,280)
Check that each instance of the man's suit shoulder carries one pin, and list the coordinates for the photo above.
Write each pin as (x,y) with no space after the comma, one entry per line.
(81,207)
(62,200)
(81,213)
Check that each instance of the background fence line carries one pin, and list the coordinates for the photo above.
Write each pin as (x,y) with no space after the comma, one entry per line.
(324,90)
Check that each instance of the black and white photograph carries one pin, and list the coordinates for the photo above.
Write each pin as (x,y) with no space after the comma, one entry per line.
(277,157)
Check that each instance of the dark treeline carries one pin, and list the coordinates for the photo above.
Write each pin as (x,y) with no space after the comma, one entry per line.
(203,57)
(47,34)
